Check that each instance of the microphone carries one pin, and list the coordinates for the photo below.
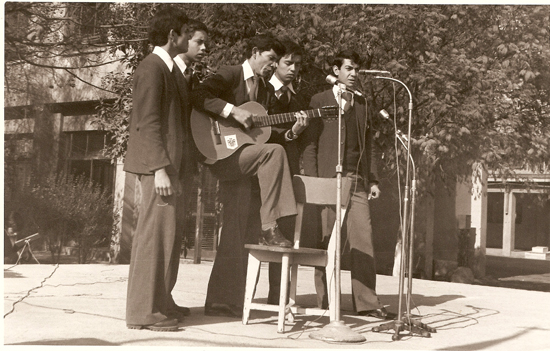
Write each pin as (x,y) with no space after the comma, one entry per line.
(384,114)
(334,81)
(403,135)
(373,71)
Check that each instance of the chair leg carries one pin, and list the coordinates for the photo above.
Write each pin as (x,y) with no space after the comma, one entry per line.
(253,270)
(293,287)
(283,294)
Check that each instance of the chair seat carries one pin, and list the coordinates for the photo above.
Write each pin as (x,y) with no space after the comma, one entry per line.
(303,256)
(291,250)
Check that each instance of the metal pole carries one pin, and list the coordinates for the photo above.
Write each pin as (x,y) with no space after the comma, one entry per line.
(336,330)
(401,323)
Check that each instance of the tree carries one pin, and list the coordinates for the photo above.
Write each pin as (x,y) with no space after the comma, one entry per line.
(479,75)
(66,208)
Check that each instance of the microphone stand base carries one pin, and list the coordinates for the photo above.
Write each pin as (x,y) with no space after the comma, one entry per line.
(413,326)
(336,332)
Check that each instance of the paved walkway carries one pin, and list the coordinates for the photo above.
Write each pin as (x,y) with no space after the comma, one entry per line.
(84,305)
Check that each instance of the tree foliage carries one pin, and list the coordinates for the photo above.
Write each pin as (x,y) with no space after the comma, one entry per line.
(479,75)
(67,208)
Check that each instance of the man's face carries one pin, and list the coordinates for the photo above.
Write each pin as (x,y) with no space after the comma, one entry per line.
(347,74)
(288,68)
(263,63)
(181,40)
(197,46)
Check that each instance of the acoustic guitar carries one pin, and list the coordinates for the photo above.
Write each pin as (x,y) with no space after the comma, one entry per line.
(218,138)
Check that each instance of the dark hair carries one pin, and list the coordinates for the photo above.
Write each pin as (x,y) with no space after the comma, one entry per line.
(346,54)
(291,48)
(195,25)
(264,42)
(165,20)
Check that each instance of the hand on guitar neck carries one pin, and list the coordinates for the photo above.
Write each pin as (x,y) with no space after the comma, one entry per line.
(302,121)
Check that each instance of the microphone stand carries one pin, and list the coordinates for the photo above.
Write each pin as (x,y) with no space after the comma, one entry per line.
(405,322)
(336,330)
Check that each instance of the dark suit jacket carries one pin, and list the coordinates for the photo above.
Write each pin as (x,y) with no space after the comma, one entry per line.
(293,148)
(227,86)
(320,155)
(156,126)
(191,154)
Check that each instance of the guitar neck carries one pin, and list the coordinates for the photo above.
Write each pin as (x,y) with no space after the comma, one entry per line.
(269,120)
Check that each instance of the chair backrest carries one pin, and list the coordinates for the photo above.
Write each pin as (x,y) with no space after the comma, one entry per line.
(319,191)
(316,191)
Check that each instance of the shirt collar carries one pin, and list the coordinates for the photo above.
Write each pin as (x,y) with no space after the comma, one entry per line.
(164,56)
(335,91)
(247,70)
(277,84)
(180,63)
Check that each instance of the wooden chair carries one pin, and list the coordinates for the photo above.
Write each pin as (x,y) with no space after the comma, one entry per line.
(308,190)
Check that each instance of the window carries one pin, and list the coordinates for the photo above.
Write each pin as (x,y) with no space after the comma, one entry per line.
(85,157)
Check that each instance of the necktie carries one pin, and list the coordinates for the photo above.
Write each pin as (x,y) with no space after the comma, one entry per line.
(188,74)
(347,96)
(253,87)
(284,98)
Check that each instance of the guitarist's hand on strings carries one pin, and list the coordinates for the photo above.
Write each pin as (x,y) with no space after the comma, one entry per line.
(302,121)
(242,116)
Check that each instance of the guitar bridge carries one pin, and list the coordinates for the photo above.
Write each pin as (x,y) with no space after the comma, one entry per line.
(217,132)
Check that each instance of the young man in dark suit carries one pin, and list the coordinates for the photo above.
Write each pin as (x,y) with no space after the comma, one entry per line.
(286,100)
(320,158)
(155,155)
(221,95)
(198,35)
(198,38)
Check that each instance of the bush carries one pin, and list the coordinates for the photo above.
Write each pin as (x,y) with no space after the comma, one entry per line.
(71,209)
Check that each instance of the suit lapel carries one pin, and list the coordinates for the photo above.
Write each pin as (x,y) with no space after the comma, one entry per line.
(181,82)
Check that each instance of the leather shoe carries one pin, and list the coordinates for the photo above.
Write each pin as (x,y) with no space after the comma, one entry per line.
(274,237)
(223,310)
(167,324)
(177,315)
(183,310)
(380,313)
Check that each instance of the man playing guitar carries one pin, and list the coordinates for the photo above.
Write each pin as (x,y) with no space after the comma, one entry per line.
(220,95)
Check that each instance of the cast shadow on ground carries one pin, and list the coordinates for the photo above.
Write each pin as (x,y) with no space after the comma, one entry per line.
(69,342)
(418,300)
(12,274)
(489,344)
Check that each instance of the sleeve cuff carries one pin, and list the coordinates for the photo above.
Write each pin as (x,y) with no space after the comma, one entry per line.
(290,136)
(227,110)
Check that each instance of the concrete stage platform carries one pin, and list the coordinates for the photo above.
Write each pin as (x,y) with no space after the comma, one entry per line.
(79,305)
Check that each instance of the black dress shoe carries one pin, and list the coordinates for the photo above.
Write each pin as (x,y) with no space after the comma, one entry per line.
(177,315)
(183,310)
(273,237)
(168,324)
(380,313)
(223,310)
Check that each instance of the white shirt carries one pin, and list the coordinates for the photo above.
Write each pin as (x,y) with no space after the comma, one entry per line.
(180,63)
(164,56)
(248,73)
(277,84)
(335,90)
